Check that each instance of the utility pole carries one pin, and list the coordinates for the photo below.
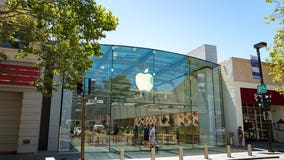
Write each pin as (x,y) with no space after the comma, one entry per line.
(81,91)
(263,96)
(83,121)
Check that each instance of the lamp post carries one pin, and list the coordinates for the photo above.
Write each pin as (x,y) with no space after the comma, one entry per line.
(83,129)
(258,46)
(81,90)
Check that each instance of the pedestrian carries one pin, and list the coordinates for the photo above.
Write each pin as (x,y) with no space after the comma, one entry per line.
(240,136)
(152,137)
(146,135)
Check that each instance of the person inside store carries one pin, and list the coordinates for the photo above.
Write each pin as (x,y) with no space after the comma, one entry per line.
(152,137)
(240,136)
(146,135)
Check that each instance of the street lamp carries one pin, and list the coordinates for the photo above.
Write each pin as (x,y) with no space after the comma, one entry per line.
(257,47)
(81,89)
(83,128)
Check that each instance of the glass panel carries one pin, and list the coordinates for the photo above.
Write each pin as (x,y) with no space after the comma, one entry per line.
(135,87)
(67,125)
(219,111)
(170,78)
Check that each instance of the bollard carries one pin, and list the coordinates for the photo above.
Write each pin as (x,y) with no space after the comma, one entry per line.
(121,155)
(249,150)
(229,151)
(153,154)
(206,152)
(180,153)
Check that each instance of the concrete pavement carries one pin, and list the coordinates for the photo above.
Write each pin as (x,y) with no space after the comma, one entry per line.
(234,156)
(76,156)
(259,152)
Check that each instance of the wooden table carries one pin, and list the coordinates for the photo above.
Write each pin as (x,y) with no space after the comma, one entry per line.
(167,138)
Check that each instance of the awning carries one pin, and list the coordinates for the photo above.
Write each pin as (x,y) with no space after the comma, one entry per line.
(247,96)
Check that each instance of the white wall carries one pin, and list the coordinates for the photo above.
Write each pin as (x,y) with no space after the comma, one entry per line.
(30,122)
(30,117)
(232,97)
(53,134)
(205,52)
(229,98)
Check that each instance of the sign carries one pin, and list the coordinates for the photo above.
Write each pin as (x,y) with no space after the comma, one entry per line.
(12,74)
(94,101)
(261,89)
(255,67)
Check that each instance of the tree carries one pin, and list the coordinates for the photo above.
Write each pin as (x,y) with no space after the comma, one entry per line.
(63,34)
(276,54)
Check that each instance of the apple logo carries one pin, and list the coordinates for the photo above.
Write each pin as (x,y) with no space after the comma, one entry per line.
(144,81)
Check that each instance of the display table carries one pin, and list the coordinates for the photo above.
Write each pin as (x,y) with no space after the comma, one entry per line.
(167,138)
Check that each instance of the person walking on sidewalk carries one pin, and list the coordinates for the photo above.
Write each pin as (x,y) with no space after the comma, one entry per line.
(146,135)
(240,136)
(152,137)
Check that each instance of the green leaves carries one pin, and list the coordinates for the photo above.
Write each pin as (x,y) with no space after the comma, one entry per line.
(269,1)
(62,33)
(277,50)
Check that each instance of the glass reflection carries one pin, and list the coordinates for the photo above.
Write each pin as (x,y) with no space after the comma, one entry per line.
(180,95)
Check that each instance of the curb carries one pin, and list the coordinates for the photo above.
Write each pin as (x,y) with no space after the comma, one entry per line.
(261,157)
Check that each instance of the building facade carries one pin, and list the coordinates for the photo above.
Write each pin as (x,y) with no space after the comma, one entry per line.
(191,101)
(20,107)
(239,89)
(135,87)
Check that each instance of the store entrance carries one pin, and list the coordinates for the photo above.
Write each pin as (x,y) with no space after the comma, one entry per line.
(174,125)
(127,126)
(257,123)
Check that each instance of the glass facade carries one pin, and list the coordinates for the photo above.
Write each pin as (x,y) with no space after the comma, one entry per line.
(134,87)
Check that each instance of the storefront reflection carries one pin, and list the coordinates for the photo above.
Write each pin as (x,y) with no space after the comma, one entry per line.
(171,132)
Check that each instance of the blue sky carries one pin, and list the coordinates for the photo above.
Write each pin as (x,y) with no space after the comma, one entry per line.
(180,26)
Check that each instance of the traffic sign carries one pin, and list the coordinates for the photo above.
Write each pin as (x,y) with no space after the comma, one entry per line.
(255,67)
(261,89)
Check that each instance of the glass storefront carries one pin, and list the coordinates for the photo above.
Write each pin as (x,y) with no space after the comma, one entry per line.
(133,88)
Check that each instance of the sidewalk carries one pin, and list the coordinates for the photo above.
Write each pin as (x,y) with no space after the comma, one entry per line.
(76,156)
(259,152)
(234,156)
